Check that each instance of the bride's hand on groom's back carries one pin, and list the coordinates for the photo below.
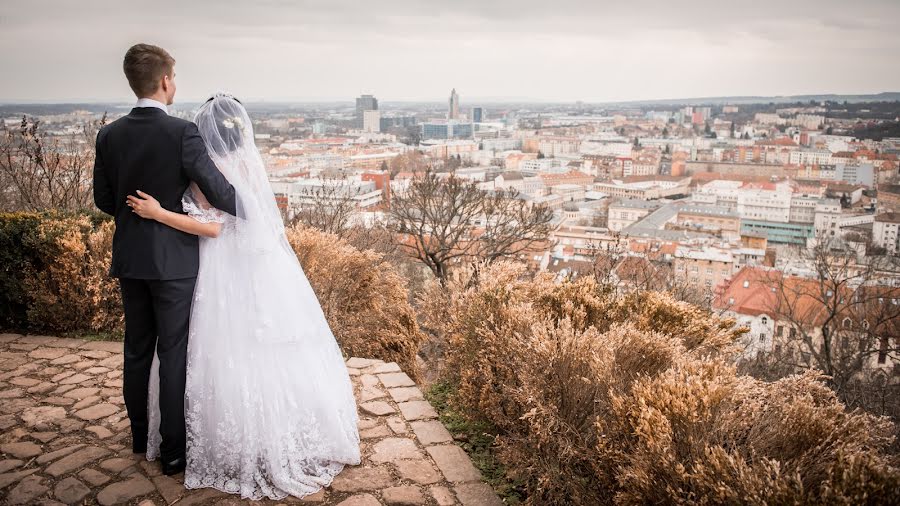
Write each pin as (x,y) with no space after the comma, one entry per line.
(145,206)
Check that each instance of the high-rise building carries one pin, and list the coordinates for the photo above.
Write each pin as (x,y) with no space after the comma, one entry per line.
(364,103)
(372,121)
(454,105)
(448,130)
(477,114)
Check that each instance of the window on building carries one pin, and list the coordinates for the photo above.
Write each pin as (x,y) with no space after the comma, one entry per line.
(779,331)
(792,332)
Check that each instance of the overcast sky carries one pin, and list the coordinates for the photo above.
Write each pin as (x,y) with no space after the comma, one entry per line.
(562,50)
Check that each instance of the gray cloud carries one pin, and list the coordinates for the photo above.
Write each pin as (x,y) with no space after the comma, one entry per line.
(413,50)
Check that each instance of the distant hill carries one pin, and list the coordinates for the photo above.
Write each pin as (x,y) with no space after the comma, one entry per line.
(44,108)
(888,96)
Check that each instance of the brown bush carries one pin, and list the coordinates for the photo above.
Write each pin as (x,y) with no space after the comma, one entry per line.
(363,298)
(602,400)
(72,292)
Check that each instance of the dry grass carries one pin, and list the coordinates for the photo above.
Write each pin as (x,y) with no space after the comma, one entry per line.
(606,400)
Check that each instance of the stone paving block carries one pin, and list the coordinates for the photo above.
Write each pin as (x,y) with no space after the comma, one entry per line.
(43,415)
(431,431)
(420,471)
(71,491)
(379,431)
(358,479)
(117,464)
(9,338)
(360,500)
(7,465)
(169,488)
(477,494)
(358,362)
(94,477)
(7,479)
(108,346)
(81,393)
(43,437)
(403,394)
(369,393)
(62,452)
(454,463)
(403,494)
(76,461)
(442,495)
(47,353)
(386,367)
(397,424)
(22,449)
(124,491)
(38,340)
(369,380)
(390,449)
(396,379)
(314,498)
(417,410)
(377,408)
(26,491)
(97,411)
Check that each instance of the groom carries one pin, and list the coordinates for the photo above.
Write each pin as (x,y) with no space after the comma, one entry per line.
(156,265)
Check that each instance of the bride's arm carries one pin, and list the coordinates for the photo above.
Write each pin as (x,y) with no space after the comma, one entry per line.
(148,207)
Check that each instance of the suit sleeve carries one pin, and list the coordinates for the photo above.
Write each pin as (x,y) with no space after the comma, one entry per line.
(104,197)
(203,171)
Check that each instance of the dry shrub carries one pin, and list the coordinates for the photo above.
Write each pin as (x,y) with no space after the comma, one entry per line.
(363,298)
(72,292)
(606,400)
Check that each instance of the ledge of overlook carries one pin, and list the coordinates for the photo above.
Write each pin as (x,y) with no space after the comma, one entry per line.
(66,439)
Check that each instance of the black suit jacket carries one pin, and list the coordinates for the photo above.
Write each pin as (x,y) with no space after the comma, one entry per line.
(149,150)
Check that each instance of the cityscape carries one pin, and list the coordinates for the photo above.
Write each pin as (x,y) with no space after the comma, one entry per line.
(708,195)
(492,253)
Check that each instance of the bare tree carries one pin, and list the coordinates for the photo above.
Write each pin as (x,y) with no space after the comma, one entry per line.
(40,172)
(443,220)
(840,317)
(330,207)
(605,258)
(411,161)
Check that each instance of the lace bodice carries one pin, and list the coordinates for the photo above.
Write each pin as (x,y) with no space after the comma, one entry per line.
(197,207)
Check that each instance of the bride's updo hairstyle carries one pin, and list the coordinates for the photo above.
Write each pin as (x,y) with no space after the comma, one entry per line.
(224,124)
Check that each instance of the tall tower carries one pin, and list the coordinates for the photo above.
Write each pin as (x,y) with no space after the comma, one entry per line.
(477,114)
(364,103)
(454,105)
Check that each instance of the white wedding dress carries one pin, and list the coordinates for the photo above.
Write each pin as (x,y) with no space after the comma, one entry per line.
(270,410)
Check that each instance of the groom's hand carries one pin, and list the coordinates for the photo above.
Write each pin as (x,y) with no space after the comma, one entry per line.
(145,206)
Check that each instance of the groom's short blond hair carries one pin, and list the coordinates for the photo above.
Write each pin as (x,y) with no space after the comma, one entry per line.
(144,66)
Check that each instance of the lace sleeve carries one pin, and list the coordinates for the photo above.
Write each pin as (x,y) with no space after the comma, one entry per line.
(197,207)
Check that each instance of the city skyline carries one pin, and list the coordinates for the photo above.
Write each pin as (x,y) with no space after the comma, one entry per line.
(415,51)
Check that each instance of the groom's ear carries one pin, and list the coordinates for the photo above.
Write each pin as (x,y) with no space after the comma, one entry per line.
(167,84)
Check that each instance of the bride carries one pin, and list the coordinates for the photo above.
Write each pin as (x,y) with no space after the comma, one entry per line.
(269,405)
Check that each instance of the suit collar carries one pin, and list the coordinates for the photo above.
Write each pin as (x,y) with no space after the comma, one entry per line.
(147,111)
(149,102)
